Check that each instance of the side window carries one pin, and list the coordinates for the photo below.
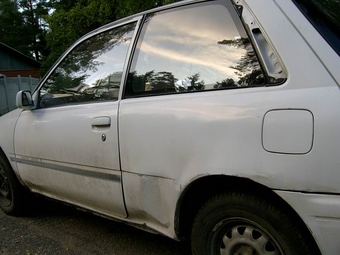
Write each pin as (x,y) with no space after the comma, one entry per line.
(91,72)
(199,47)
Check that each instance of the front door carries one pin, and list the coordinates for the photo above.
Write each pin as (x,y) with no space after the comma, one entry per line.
(67,148)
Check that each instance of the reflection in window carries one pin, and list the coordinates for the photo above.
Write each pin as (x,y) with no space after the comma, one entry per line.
(91,72)
(196,48)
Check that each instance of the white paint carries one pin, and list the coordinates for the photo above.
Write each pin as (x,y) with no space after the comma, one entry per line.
(64,136)
(288,131)
(168,141)
(321,213)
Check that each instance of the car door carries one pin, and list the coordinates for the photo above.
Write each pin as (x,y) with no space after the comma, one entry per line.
(67,148)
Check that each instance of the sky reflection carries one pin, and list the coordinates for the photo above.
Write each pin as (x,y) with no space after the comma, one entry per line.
(186,42)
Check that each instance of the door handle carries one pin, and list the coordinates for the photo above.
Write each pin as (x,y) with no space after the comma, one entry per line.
(101,123)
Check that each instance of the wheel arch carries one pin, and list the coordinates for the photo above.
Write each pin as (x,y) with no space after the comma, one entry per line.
(12,166)
(199,191)
(3,154)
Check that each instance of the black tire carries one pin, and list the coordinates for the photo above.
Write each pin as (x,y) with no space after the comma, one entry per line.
(11,191)
(241,223)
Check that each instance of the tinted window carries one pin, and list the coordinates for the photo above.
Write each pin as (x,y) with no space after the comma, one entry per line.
(200,47)
(91,72)
(325,16)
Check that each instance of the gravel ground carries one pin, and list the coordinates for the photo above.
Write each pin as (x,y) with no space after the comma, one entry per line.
(53,228)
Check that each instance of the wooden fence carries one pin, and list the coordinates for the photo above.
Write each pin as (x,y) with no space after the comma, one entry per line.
(9,87)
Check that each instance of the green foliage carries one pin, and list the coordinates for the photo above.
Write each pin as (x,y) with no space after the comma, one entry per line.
(44,29)
(129,7)
(22,26)
(12,26)
(34,12)
(67,25)
(76,66)
(73,19)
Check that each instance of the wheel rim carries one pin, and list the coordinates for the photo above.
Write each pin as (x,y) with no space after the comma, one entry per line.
(242,237)
(5,191)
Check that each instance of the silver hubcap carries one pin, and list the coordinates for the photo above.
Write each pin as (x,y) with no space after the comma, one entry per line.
(243,237)
(247,240)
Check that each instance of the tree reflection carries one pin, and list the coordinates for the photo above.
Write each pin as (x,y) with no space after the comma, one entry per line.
(195,83)
(247,69)
(164,82)
(226,83)
(150,81)
(83,61)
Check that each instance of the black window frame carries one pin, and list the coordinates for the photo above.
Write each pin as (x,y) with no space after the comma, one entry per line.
(329,31)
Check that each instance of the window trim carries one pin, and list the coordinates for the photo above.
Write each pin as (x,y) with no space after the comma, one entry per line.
(126,93)
(252,27)
(86,37)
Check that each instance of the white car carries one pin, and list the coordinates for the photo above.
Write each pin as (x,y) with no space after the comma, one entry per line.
(243,159)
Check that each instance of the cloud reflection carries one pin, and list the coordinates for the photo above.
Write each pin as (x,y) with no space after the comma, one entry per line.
(185,42)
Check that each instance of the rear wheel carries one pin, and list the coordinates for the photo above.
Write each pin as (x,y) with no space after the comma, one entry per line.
(11,191)
(244,224)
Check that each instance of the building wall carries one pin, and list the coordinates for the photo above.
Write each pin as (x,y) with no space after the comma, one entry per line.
(13,63)
(9,61)
(24,73)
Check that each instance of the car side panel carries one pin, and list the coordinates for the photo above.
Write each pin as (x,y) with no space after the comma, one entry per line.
(184,137)
(60,153)
(321,48)
(7,127)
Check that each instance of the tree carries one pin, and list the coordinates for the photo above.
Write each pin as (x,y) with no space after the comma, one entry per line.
(70,21)
(73,19)
(44,29)
(22,26)
(34,13)
(12,28)
(129,7)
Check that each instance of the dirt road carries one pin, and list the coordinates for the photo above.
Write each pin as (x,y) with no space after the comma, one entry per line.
(53,228)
